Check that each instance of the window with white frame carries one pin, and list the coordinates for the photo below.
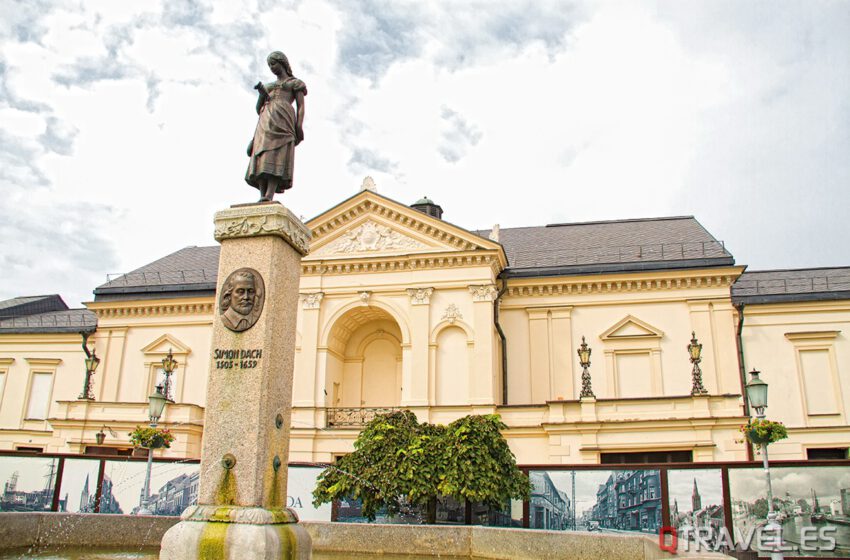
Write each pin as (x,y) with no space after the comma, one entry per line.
(2,386)
(817,372)
(41,386)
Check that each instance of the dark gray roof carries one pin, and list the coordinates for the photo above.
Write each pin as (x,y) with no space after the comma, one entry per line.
(611,246)
(802,284)
(28,305)
(557,249)
(189,271)
(65,321)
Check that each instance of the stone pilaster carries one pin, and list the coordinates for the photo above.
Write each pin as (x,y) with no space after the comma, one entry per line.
(482,386)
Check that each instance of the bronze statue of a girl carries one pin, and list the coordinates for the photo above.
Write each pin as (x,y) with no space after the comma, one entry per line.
(279,130)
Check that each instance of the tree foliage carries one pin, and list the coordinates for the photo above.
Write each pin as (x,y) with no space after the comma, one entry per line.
(398,460)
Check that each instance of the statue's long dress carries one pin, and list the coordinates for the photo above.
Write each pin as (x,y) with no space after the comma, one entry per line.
(273,147)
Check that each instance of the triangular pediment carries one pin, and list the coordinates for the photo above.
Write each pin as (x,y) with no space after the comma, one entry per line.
(369,224)
(165,343)
(631,327)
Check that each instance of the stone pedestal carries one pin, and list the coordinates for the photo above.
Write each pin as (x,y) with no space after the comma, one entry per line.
(242,496)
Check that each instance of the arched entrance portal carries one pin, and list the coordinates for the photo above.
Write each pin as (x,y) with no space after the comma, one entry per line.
(364,360)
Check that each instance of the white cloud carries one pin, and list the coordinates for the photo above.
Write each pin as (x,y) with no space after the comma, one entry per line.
(140,114)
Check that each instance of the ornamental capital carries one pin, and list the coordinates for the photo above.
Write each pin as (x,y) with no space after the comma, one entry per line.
(484,292)
(420,296)
(313,300)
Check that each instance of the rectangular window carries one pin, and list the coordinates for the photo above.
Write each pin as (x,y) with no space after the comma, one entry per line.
(647,457)
(817,378)
(39,402)
(826,453)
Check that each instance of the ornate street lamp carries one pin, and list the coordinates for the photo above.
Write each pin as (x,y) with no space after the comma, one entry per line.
(757,393)
(695,350)
(92,362)
(156,405)
(100,437)
(169,364)
(584,352)
(757,396)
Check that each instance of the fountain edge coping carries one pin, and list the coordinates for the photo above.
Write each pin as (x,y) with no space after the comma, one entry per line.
(20,530)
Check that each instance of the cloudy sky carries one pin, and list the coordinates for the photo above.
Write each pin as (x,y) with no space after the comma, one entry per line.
(124,124)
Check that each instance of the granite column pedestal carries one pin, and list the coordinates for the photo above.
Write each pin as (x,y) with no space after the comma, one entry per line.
(241,512)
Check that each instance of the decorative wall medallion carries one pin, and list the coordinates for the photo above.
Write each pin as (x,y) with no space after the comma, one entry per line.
(420,296)
(486,292)
(364,297)
(312,301)
(371,236)
(241,299)
(452,314)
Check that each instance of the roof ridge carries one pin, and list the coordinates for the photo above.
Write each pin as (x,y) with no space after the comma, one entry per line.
(620,221)
(845,267)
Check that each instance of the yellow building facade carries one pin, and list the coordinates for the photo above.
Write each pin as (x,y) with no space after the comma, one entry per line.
(401,309)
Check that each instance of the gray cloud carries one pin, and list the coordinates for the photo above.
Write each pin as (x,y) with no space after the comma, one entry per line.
(458,136)
(183,12)
(484,30)
(377,33)
(22,19)
(19,161)
(364,159)
(67,250)
(14,100)
(58,136)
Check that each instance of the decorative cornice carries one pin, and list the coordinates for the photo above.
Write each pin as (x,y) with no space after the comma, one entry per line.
(7,361)
(812,335)
(44,361)
(399,264)
(484,292)
(262,219)
(372,207)
(153,310)
(596,286)
(312,300)
(420,296)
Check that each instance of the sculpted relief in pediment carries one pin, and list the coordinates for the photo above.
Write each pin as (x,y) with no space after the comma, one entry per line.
(370,237)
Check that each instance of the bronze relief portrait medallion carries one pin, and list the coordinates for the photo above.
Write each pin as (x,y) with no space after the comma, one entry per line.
(242,296)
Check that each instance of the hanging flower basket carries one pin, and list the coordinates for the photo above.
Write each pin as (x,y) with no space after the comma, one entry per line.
(764,431)
(151,438)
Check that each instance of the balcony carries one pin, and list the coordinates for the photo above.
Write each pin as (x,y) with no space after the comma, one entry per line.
(354,417)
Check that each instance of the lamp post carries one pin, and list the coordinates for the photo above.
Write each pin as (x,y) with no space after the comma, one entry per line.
(91,364)
(695,350)
(757,396)
(169,364)
(584,352)
(156,404)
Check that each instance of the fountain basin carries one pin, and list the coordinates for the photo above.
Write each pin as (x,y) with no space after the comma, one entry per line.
(342,540)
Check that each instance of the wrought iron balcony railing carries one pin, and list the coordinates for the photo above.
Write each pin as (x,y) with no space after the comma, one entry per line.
(354,417)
